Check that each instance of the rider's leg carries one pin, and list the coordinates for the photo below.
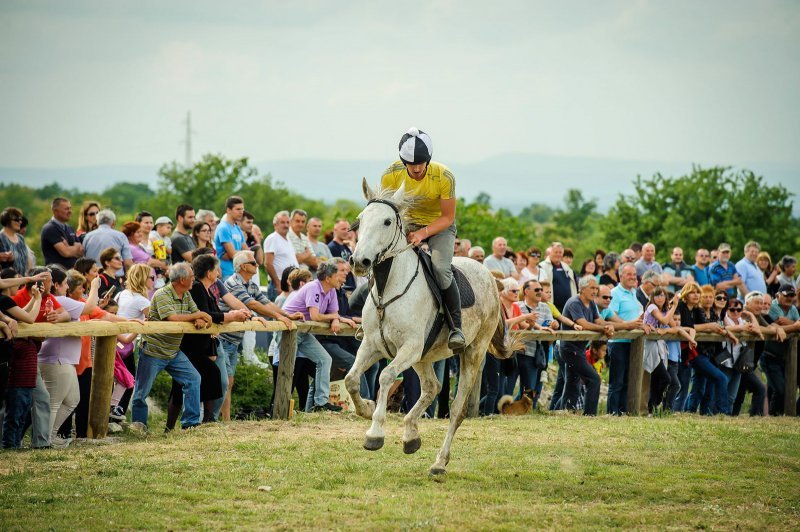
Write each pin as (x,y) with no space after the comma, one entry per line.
(441,246)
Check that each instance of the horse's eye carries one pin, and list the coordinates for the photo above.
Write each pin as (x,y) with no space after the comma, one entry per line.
(387,222)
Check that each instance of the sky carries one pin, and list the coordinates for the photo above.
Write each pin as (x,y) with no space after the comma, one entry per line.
(97,83)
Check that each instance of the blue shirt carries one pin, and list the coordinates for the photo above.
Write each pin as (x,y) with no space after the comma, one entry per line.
(625,304)
(701,275)
(752,275)
(719,273)
(227,232)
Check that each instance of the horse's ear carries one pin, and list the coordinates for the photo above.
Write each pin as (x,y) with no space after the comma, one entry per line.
(399,194)
(368,192)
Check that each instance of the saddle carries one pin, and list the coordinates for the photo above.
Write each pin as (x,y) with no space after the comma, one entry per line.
(467,296)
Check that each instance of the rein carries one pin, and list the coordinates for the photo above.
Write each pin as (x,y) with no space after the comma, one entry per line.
(380,284)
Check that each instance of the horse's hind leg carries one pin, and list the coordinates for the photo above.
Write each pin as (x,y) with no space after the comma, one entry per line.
(403,361)
(471,360)
(366,357)
(430,387)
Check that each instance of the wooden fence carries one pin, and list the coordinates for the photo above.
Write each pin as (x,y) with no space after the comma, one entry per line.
(106,342)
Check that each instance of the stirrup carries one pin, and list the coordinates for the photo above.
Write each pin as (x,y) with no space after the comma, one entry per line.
(456,341)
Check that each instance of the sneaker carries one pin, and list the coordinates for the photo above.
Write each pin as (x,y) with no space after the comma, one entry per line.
(327,407)
(58,442)
(117,413)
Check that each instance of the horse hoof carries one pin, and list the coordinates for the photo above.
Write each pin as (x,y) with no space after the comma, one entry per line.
(373,444)
(437,470)
(412,446)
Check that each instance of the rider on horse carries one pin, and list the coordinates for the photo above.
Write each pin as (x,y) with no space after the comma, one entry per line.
(432,218)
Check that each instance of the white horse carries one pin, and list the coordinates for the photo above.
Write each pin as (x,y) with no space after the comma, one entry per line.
(399,319)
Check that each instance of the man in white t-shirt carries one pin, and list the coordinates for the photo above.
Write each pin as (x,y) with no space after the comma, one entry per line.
(305,255)
(278,253)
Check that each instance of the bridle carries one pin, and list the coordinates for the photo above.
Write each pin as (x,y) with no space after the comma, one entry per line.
(380,284)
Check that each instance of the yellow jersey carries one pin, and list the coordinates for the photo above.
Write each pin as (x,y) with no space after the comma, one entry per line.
(438,184)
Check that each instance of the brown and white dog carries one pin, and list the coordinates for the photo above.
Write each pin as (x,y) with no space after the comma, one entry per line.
(509,407)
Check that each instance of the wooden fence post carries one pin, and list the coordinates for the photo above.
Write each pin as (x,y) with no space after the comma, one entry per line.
(102,384)
(283,384)
(790,377)
(635,374)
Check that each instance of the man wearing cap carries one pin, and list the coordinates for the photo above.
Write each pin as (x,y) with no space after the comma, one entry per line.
(432,218)
(722,273)
(748,270)
(159,239)
(784,314)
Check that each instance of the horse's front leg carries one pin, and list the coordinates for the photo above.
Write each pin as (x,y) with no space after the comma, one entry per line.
(406,356)
(368,354)
(430,387)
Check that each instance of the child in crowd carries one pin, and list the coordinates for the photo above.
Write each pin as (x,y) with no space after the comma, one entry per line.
(596,355)
(547,298)
(161,244)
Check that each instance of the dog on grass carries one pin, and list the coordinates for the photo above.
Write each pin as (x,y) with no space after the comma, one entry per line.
(509,407)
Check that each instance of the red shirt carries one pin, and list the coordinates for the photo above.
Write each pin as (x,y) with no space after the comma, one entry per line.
(23,297)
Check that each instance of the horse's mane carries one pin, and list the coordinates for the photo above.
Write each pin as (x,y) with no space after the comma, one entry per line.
(387,194)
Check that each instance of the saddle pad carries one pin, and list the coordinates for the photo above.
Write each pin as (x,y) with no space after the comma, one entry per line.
(464,286)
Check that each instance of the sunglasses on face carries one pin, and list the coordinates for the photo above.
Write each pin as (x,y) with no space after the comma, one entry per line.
(537,289)
(15,219)
(514,291)
(735,309)
(92,213)
(536,255)
(721,298)
(607,298)
(787,294)
(252,263)
(116,258)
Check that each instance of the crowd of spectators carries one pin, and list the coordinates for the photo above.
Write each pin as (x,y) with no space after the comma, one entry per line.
(202,269)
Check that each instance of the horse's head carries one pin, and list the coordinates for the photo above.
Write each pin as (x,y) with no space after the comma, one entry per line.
(380,226)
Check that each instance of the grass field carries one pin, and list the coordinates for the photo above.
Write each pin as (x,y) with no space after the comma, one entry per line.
(537,471)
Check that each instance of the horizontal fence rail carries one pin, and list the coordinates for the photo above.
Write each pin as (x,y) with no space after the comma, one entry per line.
(106,334)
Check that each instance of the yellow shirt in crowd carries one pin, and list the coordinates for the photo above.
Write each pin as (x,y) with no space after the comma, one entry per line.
(438,184)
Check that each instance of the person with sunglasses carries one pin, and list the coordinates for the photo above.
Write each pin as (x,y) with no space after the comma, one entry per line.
(739,320)
(13,249)
(783,313)
(530,365)
(87,219)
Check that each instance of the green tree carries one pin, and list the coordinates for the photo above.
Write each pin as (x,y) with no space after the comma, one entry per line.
(129,197)
(204,185)
(577,213)
(537,213)
(702,209)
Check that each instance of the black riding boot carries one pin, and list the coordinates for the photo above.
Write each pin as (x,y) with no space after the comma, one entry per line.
(452,301)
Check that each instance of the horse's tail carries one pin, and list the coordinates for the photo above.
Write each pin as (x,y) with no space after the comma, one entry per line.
(503,344)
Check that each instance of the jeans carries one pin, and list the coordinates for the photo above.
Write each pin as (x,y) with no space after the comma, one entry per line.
(342,358)
(320,393)
(528,374)
(697,392)
(182,371)
(490,383)
(222,362)
(684,377)
(674,388)
(619,357)
(717,384)
(773,368)
(557,400)
(18,404)
(734,381)
(579,368)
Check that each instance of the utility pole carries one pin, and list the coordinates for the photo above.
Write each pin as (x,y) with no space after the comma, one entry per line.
(188,141)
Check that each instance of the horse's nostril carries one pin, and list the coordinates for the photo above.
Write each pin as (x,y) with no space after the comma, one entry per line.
(351,261)
(366,263)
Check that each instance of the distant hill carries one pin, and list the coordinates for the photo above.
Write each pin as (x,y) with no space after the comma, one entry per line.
(513,180)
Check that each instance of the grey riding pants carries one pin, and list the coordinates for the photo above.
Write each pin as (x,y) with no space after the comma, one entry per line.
(441,246)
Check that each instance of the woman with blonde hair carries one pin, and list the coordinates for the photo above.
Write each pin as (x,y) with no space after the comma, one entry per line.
(770,272)
(134,303)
